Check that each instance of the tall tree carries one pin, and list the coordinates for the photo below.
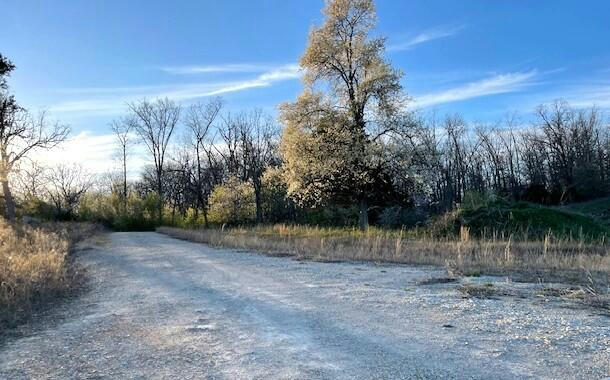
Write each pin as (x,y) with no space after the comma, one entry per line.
(20,134)
(6,66)
(199,120)
(228,149)
(358,101)
(248,147)
(155,123)
(122,130)
(258,140)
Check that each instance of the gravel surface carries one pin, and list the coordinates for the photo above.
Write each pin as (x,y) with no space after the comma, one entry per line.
(161,308)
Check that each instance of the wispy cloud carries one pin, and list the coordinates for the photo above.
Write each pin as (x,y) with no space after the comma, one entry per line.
(94,105)
(97,154)
(426,36)
(227,68)
(586,96)
(112,100)
(497,84)
(263,80)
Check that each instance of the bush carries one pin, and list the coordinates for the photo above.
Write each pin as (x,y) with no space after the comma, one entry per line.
(38,208)
(191,219)
(138,214)
(398,217)
(332,215)
(277,207)
(232,203)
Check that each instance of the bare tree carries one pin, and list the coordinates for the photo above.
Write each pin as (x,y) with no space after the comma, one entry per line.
(122,130)
(199,120)
(512,147)
(258,137)
(248,147)
(20,134)
(155,123)
(229,147)
(31,180)
(66,186)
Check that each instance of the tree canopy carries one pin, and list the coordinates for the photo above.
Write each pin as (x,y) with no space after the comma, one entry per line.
(353,99)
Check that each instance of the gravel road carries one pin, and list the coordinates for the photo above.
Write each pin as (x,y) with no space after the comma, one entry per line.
(160,308)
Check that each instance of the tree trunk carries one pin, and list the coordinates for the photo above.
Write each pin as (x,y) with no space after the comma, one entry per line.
(205,218)
(258,199)
(200,190)
(363,217)
(160,194)
(124,179)
(9,202)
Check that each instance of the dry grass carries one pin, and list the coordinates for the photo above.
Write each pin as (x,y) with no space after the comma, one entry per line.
(34,265)
(488,290)
(579,296)
(564,260)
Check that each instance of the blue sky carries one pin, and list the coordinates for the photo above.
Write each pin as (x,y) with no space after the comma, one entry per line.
(82,60)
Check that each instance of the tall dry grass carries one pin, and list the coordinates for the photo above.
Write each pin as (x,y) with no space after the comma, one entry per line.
(550,259)
(34,265)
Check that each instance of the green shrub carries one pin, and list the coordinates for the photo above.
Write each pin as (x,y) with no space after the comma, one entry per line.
(599,209)
(38,208)
(277,207)
(137,214)
(332,215)
(489,215)
(232,203)
(398,217)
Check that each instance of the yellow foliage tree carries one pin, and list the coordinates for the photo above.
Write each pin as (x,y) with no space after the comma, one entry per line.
(352,98)
(232,202)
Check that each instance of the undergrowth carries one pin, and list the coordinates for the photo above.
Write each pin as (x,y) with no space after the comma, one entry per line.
(35,266)
(549,259)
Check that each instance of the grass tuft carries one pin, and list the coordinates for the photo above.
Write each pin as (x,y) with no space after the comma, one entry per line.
(487,290)
(34,266)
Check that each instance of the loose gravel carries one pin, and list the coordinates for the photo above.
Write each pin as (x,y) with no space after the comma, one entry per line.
(160,308)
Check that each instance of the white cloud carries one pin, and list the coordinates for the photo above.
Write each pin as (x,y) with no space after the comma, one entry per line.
(427,36)
(96,153)
(596,95)
(497,84)
(228,68)
(84,105)
(112,100)
(290,71)
(263,80)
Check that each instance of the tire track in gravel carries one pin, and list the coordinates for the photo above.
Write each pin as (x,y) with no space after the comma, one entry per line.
(162,308)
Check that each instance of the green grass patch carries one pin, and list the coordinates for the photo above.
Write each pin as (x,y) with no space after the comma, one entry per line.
(490,218)
(598,209)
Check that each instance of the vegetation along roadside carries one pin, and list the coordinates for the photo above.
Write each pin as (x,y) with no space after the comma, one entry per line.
(36,267)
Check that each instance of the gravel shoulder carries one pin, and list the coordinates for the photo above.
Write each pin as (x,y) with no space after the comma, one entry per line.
(161,308)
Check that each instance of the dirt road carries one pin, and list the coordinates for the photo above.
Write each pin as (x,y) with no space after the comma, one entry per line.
(160,308)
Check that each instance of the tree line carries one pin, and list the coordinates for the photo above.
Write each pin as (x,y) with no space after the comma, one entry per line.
(348,150)
(562,156)
(217,149)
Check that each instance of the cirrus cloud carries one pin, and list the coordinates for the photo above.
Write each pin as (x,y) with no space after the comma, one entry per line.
(496,84)
(112,100)
(426,36)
